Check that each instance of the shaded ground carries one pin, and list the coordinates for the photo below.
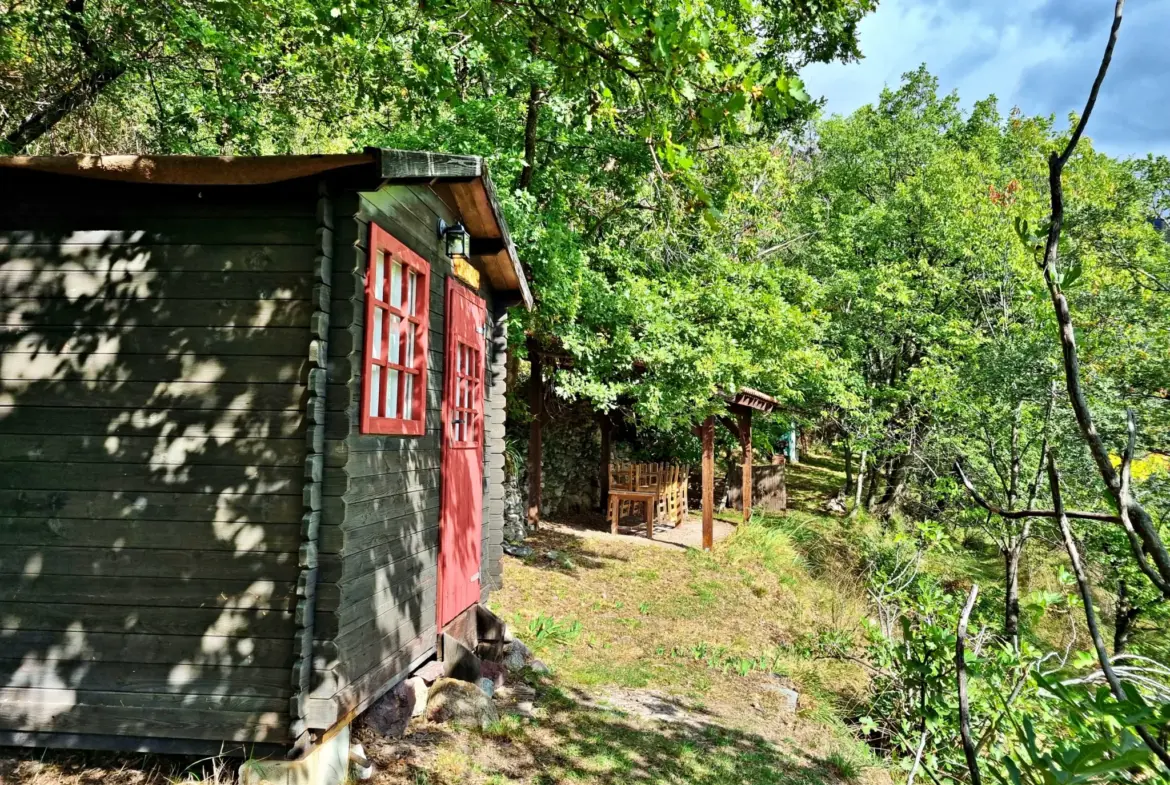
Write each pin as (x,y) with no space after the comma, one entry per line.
(57,767)
(572,740)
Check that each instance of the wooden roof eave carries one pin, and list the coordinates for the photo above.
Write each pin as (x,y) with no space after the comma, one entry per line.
(754,400)
(466,174)
(475,196)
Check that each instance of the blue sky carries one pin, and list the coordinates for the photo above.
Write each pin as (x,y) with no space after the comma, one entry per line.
(1040,55)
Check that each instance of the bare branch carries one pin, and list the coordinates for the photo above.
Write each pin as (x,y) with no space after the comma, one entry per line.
(1124,502)
(917,758)
(961,671)
(1092,101)
(1086,592)
(1014,514)
(1140,523)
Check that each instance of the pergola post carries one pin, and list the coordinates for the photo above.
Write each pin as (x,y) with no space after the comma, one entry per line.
(707,433)
(744,417)
(535,437)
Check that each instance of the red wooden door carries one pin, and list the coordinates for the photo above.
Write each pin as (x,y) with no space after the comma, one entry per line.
(461,508)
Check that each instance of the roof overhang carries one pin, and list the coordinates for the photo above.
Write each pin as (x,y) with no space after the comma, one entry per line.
(755,400)
(466,175)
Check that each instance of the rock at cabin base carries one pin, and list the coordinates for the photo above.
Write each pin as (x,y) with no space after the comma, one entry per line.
(536,666)
(431,672)
(417,688)
(462,703)
(391,713)
(488,686)
(517,656)
(519,551)
(493,672)
(359,763)
(519,699)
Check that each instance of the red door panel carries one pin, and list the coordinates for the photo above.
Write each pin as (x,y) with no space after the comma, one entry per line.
(461,508)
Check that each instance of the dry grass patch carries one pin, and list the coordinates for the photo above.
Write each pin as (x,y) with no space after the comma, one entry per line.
(64,767)
(699,624)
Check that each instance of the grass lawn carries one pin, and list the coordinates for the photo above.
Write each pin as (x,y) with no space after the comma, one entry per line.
(706,639)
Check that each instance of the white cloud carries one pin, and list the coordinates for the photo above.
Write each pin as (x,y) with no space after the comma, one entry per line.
(1040,55)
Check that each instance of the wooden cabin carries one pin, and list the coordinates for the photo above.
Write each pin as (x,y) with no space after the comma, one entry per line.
(251,439)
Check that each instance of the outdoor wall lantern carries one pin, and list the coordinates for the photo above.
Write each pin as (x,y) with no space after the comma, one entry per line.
(456,238)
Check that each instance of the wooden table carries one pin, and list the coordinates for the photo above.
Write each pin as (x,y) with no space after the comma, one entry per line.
(649,500)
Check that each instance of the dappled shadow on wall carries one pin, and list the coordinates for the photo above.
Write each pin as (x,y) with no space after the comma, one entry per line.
(153,347)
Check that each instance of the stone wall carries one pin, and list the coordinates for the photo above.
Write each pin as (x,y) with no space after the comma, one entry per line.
(569,480)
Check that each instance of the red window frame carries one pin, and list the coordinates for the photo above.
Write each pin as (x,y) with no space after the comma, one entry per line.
(391,357)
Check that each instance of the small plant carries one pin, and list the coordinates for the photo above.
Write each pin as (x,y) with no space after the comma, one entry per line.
(507,728)
(548,631)
(843,766)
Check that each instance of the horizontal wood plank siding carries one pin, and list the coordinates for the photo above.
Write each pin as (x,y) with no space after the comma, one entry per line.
(154,348)
(379,538)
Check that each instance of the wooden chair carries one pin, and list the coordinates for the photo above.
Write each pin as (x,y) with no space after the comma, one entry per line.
(659,489)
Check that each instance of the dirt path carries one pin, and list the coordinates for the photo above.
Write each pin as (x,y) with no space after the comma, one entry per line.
(688,534)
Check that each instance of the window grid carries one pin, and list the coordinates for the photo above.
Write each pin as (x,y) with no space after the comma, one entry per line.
(397,288)
(466,425)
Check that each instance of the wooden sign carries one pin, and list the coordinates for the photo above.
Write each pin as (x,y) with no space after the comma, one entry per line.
(465,272)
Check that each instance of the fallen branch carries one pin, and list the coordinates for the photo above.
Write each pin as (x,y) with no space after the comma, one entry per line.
(917,759)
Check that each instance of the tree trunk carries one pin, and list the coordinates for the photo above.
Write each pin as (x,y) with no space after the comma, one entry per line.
(535,436)
(895,482)
(871,484)
(707,434)
(606,426)
(1011,611)
(1125,617)
(848,467)
(79,95)
(860,480)
(535,95)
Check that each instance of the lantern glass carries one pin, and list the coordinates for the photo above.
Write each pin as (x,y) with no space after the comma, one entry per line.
(458,241)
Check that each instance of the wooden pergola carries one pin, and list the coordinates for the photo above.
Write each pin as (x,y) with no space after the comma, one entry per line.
(738,421)
(741,406)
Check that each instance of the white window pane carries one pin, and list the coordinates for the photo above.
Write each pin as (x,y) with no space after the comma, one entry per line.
(411,287)
(380,276)
(391,392)
(396,284)
(375,380)
(408,397)
(376,346)
(411,330)
(395,338)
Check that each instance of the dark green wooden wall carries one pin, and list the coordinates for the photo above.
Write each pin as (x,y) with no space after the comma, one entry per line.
(153,351)
(375,607)
(173,482)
